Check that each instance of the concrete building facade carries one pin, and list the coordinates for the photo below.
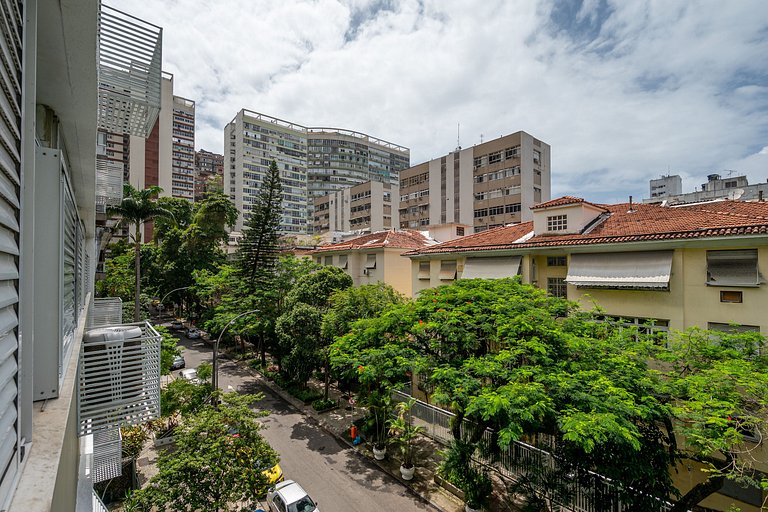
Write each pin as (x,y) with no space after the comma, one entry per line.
(182,149)
(715,188)
(488,185)
(365,207)
(666,186)
(312,162)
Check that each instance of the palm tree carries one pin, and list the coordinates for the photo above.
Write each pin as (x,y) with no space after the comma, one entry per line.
(137,207)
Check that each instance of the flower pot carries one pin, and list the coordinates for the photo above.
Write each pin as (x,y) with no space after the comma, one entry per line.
(467,508)
(379,453)
(407,473)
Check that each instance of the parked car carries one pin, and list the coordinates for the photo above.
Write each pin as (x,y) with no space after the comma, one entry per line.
(190,374)
(178,362)
(193,333)
(289,496)
(176,325)
(274,474)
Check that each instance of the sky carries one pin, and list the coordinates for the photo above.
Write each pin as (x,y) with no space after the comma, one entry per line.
(622,91)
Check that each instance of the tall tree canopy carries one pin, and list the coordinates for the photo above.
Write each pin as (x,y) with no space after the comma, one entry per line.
(259,248)
(136,208)
(511,358)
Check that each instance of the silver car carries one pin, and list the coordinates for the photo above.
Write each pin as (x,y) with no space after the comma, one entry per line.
(288,496)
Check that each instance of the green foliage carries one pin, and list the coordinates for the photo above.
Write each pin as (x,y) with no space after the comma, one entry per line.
(182,398)
(133,441)
(218,461)
(323,404)
(168,349)
(404,432)
(258,250)
(348,305)
(204,371)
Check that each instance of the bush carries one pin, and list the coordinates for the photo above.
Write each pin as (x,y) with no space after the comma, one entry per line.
(303,394)
(322,405)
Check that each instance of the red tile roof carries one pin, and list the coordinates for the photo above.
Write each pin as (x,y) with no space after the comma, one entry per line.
(563,201)
(398,239)
(645,222)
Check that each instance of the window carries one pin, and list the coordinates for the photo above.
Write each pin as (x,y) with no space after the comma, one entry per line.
(556,261)
(732,268)
(279,505)
(447,270)
(731,296)
(556,286)
(512,208)
(730,184)
(494,158)
(557,222)
(343,261)
(460,231)
(370,262)
(329,260)
(423,270)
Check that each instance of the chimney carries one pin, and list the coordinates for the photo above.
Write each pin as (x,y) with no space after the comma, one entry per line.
(631,209)
(759,195)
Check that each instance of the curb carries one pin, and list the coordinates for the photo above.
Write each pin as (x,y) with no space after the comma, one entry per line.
(309,412)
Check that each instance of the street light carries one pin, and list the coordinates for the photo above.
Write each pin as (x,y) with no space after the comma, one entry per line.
(216,348)
(170,292)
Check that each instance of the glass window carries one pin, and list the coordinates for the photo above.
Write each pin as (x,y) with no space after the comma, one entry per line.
(557,223)
(447,270)
(556,261)
(556,286)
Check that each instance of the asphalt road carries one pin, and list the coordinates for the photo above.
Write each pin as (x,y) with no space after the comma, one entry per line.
(336,476)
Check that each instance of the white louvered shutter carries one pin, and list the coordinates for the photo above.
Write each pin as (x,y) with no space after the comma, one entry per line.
(10,164)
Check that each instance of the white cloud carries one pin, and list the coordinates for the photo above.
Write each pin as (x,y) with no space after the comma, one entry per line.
(623,91)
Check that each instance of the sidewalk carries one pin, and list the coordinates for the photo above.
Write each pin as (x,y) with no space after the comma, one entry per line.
(338,422)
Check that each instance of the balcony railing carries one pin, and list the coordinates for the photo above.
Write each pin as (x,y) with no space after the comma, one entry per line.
(105,311)
(109,184)
(130,57)
(107,455)
(119,376)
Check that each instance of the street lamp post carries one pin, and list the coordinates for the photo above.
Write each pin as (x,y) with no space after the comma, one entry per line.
(170,292)
(216,348)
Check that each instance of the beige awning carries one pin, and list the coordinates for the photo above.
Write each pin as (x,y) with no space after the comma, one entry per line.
(631,270)
(491,268)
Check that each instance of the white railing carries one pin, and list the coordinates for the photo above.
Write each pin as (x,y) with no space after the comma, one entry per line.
(119,377)
(107,455)
(109,184)
(521,460)
(97,504)
(105,311)
(129,72)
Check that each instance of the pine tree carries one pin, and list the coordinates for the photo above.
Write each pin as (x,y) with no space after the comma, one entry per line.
(259,248)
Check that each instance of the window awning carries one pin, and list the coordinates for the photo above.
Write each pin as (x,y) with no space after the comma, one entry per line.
(631,270)
(733,268)
(491,268)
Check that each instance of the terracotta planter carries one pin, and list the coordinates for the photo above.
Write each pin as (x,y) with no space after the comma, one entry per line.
(407,473)
(379,453)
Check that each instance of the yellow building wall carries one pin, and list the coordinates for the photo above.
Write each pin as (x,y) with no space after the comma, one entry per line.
(397,271)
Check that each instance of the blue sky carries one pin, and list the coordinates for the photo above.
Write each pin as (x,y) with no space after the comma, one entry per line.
(622,91)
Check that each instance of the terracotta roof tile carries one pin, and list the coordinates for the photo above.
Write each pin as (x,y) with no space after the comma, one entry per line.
(645,222)
(563,201)
(399,239)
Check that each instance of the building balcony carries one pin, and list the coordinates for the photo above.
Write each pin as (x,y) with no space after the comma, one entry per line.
(109,184)
(129,73)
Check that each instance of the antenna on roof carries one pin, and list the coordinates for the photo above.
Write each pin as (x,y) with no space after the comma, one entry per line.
(481,138)
(458,136)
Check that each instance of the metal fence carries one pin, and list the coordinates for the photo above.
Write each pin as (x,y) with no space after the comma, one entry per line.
(537,468)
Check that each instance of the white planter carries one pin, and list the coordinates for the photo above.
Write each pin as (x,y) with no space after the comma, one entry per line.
(407,473)
(379,454)
(467,508)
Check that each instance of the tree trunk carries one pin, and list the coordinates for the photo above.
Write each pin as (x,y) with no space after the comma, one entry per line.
(327,371)
(263,351)
(698,493)
(137,291)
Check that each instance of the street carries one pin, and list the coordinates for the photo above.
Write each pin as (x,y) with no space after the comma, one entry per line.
(336,476)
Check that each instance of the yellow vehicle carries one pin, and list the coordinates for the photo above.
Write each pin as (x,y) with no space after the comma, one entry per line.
(274,474)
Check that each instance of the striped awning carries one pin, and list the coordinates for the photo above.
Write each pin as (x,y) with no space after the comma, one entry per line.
(491,268)
(630,270)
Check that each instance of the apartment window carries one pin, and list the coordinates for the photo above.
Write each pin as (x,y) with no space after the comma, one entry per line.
(424,270)
(460,231)
(557,222)
(343,261)
(494,158)
(370,262)
(478,162)
(447,270)
(482,212)
(512,208)
(496,210)
(329,260)
(536,156)
(732,268)
(556,261)
(732,296)
(556,286)
(730,184)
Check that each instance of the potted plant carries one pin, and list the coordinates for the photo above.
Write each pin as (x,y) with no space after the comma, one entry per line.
(380,407)
(477,490)
(403,432)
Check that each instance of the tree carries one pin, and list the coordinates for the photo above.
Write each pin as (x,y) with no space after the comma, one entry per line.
(137,207)
(300,327)
(219,458)
(259,247)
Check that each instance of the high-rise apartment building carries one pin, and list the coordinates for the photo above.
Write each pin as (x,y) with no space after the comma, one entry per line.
(485,186)
(182,149)
(312,162)
(365,207)
(167,157)
(666,186)
(207,166)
